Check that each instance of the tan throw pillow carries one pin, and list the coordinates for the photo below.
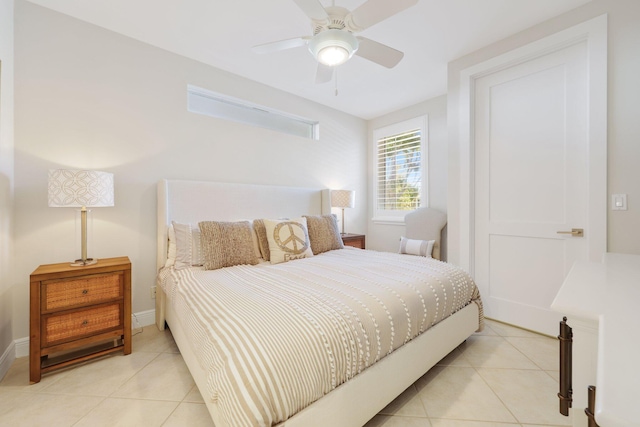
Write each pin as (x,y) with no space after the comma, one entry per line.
(323,233)
(256,244)
(225,244)
(288,239)
(263,242)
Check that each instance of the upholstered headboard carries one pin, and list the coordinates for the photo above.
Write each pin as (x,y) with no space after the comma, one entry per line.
(427,224)
(189,202)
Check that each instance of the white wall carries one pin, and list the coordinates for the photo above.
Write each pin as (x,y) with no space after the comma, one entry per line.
(623,112)
(6,177)
(90,98)
(385,237)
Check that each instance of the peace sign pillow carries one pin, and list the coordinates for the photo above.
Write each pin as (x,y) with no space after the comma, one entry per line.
(288,239)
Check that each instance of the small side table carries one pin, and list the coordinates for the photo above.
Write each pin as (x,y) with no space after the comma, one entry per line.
(354,240)
(78,313)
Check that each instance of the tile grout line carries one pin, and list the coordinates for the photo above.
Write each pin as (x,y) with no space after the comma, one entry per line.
(89,411)
(424,408)
(528,358)
(489,385)
(523,353)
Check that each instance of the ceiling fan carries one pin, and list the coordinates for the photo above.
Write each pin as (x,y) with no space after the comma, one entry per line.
(333,41)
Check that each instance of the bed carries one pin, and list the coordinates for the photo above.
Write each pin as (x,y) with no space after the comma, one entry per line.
(357,375)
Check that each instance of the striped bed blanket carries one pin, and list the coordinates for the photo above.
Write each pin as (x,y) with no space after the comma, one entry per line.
(275,338)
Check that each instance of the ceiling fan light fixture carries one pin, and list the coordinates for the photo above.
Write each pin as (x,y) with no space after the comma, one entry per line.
(333,47)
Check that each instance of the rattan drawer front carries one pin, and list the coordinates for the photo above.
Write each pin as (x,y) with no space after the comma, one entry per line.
(70,326)
(81,291)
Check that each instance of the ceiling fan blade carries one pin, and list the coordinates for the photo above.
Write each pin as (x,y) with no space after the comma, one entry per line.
(313,9)
(324,74)
(280,45)
(378,53)
(374,11)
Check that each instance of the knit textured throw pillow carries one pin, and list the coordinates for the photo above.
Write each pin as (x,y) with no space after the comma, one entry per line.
(323,233)
(225,244)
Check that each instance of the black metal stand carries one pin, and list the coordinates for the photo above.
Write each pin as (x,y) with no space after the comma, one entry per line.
(591,406)
(566,361)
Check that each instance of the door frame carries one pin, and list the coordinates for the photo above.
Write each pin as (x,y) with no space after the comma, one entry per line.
(594,32)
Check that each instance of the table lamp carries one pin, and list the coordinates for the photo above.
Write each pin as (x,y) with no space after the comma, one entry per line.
(81,189)
(343,199)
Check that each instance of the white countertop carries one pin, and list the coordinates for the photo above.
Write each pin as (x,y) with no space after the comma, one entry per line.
(609,292)
(582,292)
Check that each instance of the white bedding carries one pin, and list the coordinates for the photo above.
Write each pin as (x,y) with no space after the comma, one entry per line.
(275,338)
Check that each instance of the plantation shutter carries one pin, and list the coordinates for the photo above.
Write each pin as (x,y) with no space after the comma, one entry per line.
(399,174)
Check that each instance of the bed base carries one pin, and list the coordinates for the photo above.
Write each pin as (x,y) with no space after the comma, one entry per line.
(355,402)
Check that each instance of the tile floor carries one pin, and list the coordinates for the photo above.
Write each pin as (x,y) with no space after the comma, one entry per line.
(502,377)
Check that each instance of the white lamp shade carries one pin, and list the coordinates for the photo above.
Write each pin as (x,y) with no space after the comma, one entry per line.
(343,198)
(78,188)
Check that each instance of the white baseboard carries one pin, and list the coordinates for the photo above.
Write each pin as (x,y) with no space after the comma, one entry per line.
(20,347)
(143,318)
(7,359)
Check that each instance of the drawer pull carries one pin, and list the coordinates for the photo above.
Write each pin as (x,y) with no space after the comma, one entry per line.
(85,323)
(84,292)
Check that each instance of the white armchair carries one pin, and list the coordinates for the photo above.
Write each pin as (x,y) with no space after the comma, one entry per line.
(427,224)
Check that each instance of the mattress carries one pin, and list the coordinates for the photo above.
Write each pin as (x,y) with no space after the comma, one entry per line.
(275,338)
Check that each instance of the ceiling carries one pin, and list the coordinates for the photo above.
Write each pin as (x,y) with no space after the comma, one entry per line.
(221,33)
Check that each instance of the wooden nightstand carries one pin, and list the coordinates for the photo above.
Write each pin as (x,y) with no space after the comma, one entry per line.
(78,313)
(355,240)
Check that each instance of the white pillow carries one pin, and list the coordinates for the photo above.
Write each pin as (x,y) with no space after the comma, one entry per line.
(416,247)
(171,252)
(188,251)
(288,240)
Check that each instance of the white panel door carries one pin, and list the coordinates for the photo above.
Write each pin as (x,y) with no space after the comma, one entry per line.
(531,182)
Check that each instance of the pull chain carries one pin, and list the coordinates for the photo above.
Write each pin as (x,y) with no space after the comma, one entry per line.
(336,81)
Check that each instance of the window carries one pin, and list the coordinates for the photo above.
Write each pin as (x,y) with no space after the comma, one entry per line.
(203,101)
(400,168)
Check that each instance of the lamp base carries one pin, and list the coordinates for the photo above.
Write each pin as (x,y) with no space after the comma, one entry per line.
(83,262)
